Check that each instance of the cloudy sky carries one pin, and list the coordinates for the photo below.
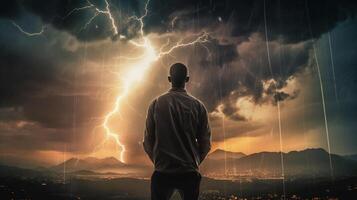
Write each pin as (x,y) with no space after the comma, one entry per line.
(65,63)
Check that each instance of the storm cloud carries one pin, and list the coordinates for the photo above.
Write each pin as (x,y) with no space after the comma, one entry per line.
(286,19)
(65,80)
(249,74)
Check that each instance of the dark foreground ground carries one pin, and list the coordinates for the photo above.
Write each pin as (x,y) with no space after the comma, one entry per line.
(127,188)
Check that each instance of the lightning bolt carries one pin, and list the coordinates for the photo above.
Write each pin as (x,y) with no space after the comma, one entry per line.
(79,9)
(98,11)
(135,74)
(30,34)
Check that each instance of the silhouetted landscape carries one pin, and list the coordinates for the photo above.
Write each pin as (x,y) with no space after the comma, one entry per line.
(309,162)
(266,87)
(256,176)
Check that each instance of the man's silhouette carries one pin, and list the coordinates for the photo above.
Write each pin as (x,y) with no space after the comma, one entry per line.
(177,139)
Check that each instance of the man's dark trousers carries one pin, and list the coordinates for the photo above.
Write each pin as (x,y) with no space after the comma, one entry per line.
(164,184)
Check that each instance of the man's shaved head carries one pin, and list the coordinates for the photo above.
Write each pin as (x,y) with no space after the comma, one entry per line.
(178,75)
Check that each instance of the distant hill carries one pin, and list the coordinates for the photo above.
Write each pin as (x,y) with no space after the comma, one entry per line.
(84,172)
(220,154)
(100,165)
(21,162)
(11,171)
(89,163)
(351,157)
(309,162)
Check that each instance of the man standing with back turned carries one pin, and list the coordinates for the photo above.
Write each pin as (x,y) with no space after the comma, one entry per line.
(177,139)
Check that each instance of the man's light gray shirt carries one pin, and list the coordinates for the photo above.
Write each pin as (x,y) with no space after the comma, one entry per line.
(177,135)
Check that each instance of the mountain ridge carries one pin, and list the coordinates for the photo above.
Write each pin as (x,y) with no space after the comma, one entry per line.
(219,154)
(307,162)
(312,161)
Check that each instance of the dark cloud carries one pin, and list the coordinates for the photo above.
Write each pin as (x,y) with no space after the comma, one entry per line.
(219,53)
(38,82)
(281,96)
(232,112)
(56,111)
(249,74)
(286,19)
(23,74)
(10,9)
(16,136)
(236,129)
(64,16)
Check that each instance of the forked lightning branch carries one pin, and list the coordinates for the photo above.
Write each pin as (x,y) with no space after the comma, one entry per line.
(137,71)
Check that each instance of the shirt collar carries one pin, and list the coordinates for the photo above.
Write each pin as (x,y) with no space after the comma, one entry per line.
(177,89)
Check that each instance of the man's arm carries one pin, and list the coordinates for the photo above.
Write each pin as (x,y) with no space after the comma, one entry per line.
(149,134)
(204,134)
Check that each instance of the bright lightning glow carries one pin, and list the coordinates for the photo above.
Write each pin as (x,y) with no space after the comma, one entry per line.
(131,77)
(136,73)
(107,12)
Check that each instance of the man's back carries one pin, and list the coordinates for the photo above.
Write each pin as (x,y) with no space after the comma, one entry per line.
(177,136)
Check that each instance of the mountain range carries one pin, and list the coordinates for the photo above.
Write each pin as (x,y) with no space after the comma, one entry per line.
(91,165)
(220,154)
(308,162)
(351,157)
